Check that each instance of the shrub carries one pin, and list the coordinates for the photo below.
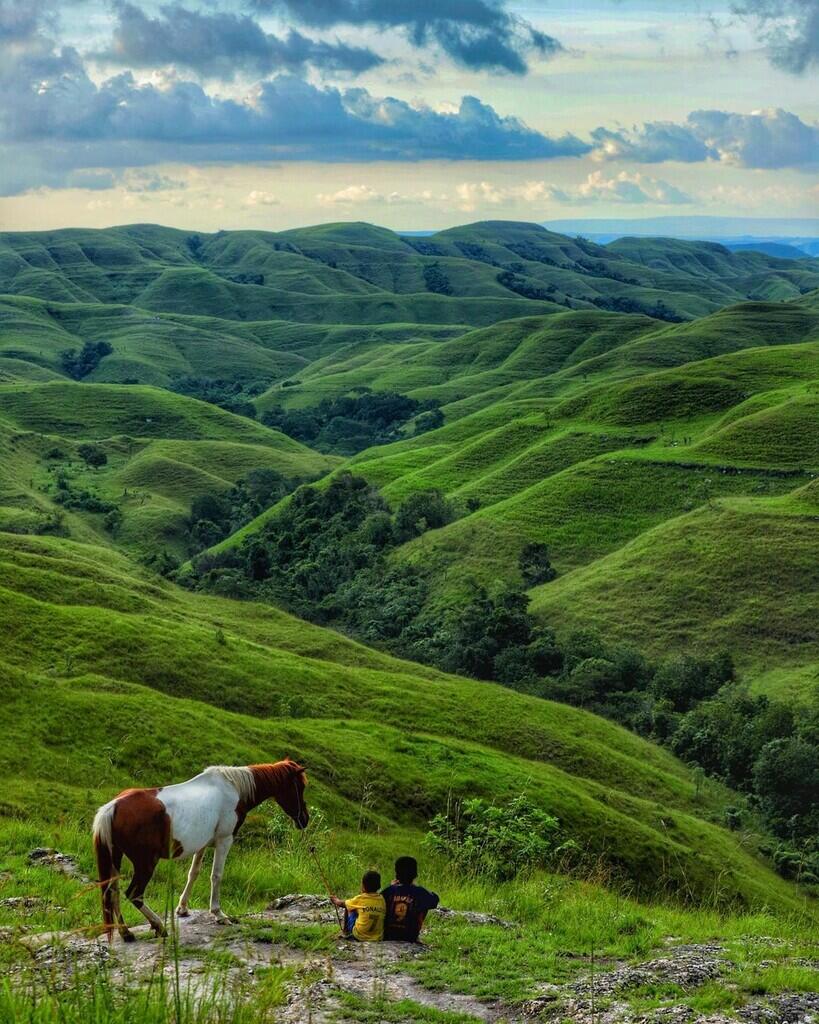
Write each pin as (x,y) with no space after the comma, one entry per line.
(500,843)
(92,455)
(534,565)
(799,865)
(427,421)
(422,511)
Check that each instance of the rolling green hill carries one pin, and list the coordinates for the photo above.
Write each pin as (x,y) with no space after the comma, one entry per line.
(162,450)
(149,279)
(738,574)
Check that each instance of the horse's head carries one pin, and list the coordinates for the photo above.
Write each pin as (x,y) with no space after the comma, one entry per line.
(291,794)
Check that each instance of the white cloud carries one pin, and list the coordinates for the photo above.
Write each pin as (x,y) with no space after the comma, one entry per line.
(628,188)
(472,194)
(622,188)
(355,195)
(760,198)
(260,198)
(352,195)
(763,139)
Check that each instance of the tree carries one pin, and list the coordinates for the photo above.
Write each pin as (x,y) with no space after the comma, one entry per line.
(211,507)
(265,486)
(92,455)
(258,563)
(685,680)
(487,626)
(786,781)
(427,421)
(80,364)
(534,564)
(422,511)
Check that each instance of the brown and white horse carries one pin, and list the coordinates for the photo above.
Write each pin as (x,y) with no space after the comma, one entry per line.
(147,825)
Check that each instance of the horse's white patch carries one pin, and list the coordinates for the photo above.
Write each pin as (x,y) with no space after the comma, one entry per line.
(203,809)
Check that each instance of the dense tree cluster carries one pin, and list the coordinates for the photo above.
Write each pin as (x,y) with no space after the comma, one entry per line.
(234,396)
(351,423)
(697,708)
(624,304)
(521,286)
(79,364)
(215,516)
(436,280)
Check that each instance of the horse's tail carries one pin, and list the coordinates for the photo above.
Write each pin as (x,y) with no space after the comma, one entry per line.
(106,871)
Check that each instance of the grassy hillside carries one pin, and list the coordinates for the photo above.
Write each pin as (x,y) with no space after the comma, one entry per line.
(162,451)
(546,356)
(738,574)
(156,348)
(95,645)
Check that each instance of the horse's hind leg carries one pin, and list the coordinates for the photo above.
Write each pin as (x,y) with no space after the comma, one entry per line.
(126,934)
(143,872)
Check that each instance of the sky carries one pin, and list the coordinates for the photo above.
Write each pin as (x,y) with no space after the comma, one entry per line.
(414,114)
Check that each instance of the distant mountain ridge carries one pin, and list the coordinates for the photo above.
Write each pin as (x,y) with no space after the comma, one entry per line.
(784,238)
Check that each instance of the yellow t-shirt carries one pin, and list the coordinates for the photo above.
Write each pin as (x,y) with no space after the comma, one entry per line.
(371,908)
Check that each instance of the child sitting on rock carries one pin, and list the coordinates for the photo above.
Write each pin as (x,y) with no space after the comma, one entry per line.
(364,914)
(407,903)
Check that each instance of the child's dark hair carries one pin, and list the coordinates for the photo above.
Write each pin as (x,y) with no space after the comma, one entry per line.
(371,882)
(406,870)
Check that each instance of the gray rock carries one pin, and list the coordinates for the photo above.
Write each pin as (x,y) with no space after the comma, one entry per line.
(472,917)
(686,966)
(27,904)
(45,856)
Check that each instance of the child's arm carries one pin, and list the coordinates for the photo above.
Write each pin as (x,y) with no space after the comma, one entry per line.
(337,902)
(430,899)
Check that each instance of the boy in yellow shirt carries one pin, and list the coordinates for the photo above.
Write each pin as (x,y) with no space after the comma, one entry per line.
(364,914)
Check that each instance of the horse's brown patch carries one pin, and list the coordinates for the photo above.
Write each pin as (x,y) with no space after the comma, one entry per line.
(141,826)
(177,849)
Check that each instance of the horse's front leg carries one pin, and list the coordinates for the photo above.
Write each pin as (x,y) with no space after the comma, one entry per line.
(221,849)
(193,874)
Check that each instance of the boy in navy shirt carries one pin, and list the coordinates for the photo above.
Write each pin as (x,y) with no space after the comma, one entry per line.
(407,903)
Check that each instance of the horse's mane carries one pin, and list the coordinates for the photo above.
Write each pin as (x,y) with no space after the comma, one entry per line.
(246,778)
(275,775)
(241,778)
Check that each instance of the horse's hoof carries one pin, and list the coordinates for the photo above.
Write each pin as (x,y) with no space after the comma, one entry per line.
(221,919)
(128,937)
(182,912)
(161,933)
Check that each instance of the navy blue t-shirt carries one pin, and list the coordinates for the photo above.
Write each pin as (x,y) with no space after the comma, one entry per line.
(407,906)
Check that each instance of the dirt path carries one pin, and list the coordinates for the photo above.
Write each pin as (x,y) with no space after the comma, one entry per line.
(370,971)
